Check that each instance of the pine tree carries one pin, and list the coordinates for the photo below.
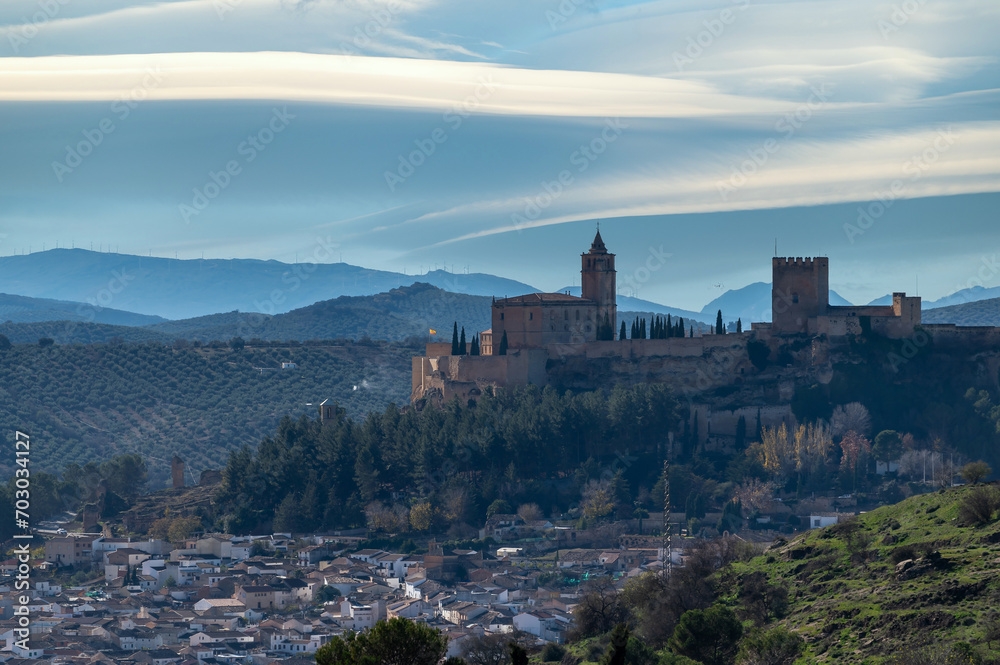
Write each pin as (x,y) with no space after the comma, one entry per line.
(719,328)
(461,343)
(502,351)
(615,655)
(739,325)
(454,339)
(621,333)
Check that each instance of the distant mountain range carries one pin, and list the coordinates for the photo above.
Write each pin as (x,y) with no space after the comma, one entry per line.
(970,295)
(99,296)
(750,303)
(185,288)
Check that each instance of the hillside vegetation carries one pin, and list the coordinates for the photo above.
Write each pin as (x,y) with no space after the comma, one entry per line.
(83,403)
(914,583)
(920,573)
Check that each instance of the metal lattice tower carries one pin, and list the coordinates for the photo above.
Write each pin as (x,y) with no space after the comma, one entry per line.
(667,527)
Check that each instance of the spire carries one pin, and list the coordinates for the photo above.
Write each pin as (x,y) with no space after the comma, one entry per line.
(597,247)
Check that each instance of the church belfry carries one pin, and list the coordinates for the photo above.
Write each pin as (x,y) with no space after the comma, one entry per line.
(598,281)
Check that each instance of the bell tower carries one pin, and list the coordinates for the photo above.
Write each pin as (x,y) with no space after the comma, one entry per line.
(598,282)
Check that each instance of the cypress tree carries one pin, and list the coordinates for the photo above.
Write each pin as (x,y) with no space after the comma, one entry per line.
(461,343)
(680,327)
(621,333)
(719,328)
(635,329)
(642,328)
(692,330)
(502,351)
(739,325)
(474,347)
(454,340)
(670,327)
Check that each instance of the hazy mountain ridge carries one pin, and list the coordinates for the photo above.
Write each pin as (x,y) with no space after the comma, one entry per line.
(185,288)
(24,309)
(979,313)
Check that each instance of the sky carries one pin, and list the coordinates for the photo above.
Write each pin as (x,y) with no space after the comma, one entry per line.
(493,137)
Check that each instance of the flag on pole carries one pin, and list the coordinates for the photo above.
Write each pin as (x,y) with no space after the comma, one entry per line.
(433,332)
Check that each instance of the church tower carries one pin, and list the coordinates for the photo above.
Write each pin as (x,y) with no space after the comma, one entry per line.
(597,278)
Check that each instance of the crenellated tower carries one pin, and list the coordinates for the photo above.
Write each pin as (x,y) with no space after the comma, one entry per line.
(599,283)
(800,290)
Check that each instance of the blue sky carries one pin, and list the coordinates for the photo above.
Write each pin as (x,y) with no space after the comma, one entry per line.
(423,133)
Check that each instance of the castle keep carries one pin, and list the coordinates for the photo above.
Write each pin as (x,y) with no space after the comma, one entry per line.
(540,319)
(572,342)
(800,303)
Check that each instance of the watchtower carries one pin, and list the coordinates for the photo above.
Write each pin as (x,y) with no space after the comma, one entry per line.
(800,290)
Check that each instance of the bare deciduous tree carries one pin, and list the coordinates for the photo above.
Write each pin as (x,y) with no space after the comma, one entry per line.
(853,416)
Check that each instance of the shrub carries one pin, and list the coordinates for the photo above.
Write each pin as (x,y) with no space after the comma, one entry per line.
(552,653)
(903,553)
(978,506)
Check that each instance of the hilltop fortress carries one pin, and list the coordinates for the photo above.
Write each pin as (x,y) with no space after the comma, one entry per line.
(573,342)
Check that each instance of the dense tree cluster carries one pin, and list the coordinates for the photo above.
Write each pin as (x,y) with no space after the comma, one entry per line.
(524,446)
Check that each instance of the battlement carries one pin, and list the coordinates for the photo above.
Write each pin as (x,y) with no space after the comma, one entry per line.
(799,262)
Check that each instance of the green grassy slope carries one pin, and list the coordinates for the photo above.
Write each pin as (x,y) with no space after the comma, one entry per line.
(83,403)
(855,608)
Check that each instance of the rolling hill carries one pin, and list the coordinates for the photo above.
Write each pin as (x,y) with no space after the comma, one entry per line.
(83,403)
(21,309)
(979,313)
(177,289)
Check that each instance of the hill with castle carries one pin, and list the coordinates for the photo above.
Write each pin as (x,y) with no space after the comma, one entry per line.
(767,370)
